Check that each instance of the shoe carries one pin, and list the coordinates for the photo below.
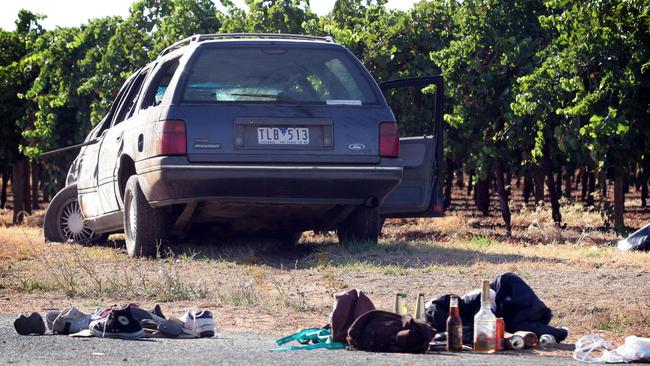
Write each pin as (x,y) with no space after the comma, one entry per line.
(32,324)
(119,323)
(50,316)
(199,321)
(102,313)
(171,327)
(140,314)
(69,321)
(158,312)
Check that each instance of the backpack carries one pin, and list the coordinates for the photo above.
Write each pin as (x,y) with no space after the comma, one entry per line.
(348,306)
(383,331)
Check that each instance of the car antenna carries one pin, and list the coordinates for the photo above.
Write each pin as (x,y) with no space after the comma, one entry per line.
(68,148)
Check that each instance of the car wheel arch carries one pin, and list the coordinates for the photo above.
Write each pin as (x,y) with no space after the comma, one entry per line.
(126,169)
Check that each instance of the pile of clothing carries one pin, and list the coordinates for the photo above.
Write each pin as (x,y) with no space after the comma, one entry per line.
(128,322)
(356,323)
(512,299)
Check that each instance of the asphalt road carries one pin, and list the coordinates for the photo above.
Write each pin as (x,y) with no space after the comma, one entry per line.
(231,348)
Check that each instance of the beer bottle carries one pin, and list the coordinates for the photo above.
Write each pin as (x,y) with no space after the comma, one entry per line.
(454,327)
(399,306)
(485,332)
(419,308)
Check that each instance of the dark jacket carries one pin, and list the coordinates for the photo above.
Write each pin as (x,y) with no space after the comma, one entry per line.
(515,302)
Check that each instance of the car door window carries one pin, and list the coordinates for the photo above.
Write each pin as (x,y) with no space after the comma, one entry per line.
(127,106)
(159,84)
(119,98)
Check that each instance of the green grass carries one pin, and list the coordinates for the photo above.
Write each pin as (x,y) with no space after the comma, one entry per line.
(32,285)
(394,270)
(478,243)
(611,325)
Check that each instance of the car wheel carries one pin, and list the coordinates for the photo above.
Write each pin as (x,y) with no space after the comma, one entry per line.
(64,223)
(362,225)
(144,226)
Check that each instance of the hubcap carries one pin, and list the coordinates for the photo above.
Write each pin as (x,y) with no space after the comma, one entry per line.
(72,224)
(133,214)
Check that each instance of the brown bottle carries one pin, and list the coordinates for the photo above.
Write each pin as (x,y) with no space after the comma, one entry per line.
(454,327)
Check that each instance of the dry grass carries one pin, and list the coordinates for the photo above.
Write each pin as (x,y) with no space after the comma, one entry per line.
(590,286)
(33,220)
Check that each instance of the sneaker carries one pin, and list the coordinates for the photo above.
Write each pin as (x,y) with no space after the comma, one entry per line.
(140,314)
(171,327)
(158,312)
(101,313)
(32,324)
(118,324)
(199,321)
(50,316)
(69,321)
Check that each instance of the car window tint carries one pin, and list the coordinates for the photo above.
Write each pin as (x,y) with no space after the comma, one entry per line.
(275,74)
(158,86)
(126,108)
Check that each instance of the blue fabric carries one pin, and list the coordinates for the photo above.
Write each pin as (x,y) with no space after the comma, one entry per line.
(318,337)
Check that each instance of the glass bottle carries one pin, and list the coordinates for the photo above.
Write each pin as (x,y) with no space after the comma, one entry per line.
(485,322)
(399,306)
(454,327)
(419,308)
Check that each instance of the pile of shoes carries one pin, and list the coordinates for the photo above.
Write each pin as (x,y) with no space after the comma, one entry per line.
(128,322)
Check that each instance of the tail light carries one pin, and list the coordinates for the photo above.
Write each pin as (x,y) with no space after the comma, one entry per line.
(168,138)
(388,140)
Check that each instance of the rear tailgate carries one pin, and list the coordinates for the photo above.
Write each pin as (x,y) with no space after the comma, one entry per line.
(257,133)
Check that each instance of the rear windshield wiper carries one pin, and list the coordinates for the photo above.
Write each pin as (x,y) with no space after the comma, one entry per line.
(279,98)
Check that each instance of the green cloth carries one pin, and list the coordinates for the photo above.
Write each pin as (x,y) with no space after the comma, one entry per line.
(318,337)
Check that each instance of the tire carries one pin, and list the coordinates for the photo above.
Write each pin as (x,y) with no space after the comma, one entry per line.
(362,225)
(63,221)
(144,226)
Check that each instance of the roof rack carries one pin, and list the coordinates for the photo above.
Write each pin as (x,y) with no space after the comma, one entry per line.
(207,37)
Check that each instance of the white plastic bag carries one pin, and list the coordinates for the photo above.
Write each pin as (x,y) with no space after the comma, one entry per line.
(638,240)
(635,349)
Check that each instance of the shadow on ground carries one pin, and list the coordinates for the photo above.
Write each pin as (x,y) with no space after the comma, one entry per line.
(315,251)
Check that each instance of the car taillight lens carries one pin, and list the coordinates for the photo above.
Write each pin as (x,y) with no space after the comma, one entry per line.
(388,140)
(171,138)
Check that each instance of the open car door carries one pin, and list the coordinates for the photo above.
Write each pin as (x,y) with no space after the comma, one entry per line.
(420,192)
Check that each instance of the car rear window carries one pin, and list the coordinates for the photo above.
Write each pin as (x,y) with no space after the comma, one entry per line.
(277,75)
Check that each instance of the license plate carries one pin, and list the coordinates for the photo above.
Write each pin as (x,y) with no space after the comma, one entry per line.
(283,135)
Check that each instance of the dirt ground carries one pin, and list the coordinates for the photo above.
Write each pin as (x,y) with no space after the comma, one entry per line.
(254,284)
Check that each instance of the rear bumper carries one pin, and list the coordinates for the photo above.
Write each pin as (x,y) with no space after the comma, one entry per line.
(171,180)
